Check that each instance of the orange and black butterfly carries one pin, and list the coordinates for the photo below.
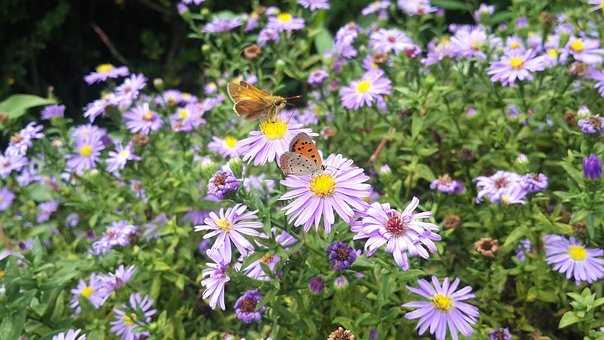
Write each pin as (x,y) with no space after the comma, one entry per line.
(251,102)
(303,157)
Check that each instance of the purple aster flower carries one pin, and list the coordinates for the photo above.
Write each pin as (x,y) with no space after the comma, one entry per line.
(468,42)
(219,25)
(598,76)
(584,50)
(98,107)
(230,226)
(253,21)
(525,246)
(72,220)
(570,257)
(285,22)
(45,210)
(341,256)
(271,141)
(314,5)
(446,308)
(120,233)
(514,44)
(88,154)
(117,280)
(439,50)
(285,239)
(340,187)
(104,72)
(129,90)
(390,41)
(142,119)
(306,117)
(10,162)
(226,147)
(495,186)
(534,182)
(521,22)
(71,334)
(500,334)
(597,5)
(316,285)
(169,98)
(591,125)
(255,270)
(187,118)
(447,185)
(93,291)
(317,77)
(117,159)
(515,66)
(215,277)
(376,7)
(52,111)
(416,7)
(246,306)
(23,140)
(267,35)
(6,198)
(592,167)
(345,38)
(131,319)
(365,91)
(222,183)
(401,232)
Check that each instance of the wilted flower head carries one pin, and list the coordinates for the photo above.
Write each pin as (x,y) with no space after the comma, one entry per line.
(592,167)
(500,334)
(52,111)
(246,306)
(222,183)
(447,185)
(316,285)
(486,246)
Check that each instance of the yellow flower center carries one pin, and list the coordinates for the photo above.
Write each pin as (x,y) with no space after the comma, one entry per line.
(224,224)
(442,302)
(284,18)
(129,320)
(577,45)
(148,116)
(266,259)
(124,154)
(445,40)
(1,274)
(514,44)
(552,53)
(363,86)
(230,142)
(323,185)
(86,150)
(183,114)
(516,62)
(274,130)
(87,292)
(577,253)
(104,68)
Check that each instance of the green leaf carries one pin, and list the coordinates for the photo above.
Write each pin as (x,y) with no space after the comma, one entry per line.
(568,319)
(450,4)
(323,41)
(16,105)
(516,234)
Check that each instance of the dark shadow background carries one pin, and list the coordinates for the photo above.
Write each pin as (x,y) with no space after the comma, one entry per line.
(54,43)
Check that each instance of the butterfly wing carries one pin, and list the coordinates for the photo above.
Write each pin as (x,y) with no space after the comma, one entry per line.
(240,90)
(303,145)
(295,164)
(251,109)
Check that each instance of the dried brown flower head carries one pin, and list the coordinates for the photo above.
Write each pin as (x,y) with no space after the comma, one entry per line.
(486,246)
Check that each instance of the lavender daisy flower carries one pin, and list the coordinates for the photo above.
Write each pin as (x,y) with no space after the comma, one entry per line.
(390,41)
(271,141)
(401,232)
(222,183)
(255,270)
(6,198)
(88,154)
(104,72)
(495,186)
(226,147)
(515,66)
(52,111)
(340,187)
(21,141)
(267,35)
(306,117)
(229,227)
(534,182)
(93,291)
(416,7)
(345,38)
(99,106)
(314,5)
(447,185)
(45,210)
(187,118)
(285,22)
(500,334)
(445,309)
(525,246)
(570,257)
(129,90)
(116,280)
(598,76)
(10,162)
(219,25)
(376,7)
(117,159)
(584,50)
(132,317)
(366,91)
(317,77)
(246,306)
(591,125)
(468,42)
(215,277)
(71,334)
(142,119)
(120,233)
(285,239)
(439,50)
(483,12)
(592,167)
(341,256)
